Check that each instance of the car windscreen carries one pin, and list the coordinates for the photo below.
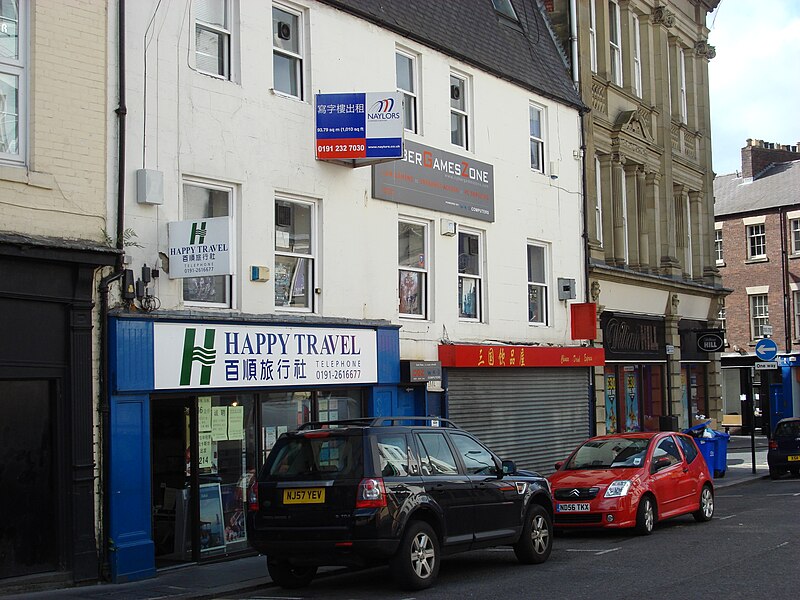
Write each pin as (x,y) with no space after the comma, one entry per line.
(610,453)
(315,457)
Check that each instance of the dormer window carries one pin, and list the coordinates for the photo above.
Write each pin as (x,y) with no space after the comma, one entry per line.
(504,8)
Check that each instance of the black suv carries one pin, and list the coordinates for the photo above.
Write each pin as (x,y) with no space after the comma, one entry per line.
(398,490)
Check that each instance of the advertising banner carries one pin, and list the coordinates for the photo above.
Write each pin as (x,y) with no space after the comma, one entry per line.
(439,180)
(226,356)
(200,248)
(359,125)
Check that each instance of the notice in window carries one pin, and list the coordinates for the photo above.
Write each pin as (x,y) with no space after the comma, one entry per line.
(205,452)
(204,413)
(219,423)
(236,422)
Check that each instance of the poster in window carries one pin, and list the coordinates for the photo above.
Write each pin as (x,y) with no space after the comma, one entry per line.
(611,402)
(283,280)
(409,293)
(204,413)
(205,451)
(236,422)
(233,513)
(219,423)
(468,298)
(632,401)
(212,524)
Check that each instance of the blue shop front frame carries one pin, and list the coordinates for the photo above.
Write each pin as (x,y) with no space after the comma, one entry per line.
(132,382)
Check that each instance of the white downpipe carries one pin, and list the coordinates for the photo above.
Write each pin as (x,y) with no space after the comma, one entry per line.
(573,38)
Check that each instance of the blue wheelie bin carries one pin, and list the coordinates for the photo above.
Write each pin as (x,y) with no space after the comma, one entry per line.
(714,449)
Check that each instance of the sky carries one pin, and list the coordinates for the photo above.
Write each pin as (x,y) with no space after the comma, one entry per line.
(755,77)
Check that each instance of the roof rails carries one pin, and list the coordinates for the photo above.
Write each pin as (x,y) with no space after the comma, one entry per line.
(379,422)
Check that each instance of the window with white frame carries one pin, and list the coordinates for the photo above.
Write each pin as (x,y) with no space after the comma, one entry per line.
(212,31)
(722,317)
(756,241)
(759,315)
(406,65)
(794,225)
(682,82)
(718,254)
(287,51)
(459,113)
(614,42)
(470,275)
(592,36)
(203,201)
(536,128)
(412,268)
(295,224)
(796,305)
(537,284)
(598,203)
(637,55)
(13,69)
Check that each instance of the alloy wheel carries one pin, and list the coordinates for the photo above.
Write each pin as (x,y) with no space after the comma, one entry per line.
(540,534)
(707,503)
(423,555)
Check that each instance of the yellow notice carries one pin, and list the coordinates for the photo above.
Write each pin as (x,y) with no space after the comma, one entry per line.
(205,451)
(204,413)
(236,422)
(219,423)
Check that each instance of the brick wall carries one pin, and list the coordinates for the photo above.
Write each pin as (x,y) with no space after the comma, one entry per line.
(757,155)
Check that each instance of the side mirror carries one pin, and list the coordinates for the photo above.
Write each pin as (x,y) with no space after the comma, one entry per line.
(559,464)
(508,467)
(660,463)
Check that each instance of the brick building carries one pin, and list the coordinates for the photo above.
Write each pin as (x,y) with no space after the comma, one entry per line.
(757,250)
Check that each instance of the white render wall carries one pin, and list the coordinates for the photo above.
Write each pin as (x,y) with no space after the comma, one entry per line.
(242,133)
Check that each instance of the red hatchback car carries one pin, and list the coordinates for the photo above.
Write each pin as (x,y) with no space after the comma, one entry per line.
(632,480)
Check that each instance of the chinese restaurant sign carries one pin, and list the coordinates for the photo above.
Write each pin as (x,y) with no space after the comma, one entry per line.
(438,180)
(198,355)
(200,248)
(454,355)
(360,125)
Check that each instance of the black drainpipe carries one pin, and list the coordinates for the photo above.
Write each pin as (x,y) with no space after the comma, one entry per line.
(105,282)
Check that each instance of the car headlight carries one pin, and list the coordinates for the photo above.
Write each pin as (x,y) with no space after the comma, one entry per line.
(617,489)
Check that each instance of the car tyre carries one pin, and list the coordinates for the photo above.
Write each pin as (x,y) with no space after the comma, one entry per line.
(706,510)
(795,471)
(645,516)
(288,576)
(775,473)
(536,541)
(416,564)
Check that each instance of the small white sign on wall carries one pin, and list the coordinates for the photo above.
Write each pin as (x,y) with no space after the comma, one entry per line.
(200,248)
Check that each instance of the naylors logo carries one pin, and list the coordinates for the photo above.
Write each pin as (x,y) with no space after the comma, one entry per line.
(383,110)
(206,355)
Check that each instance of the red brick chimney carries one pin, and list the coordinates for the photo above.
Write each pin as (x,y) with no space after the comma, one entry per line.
(757,155)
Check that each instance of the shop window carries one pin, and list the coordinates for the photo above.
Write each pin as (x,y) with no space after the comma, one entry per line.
(537,285)
(295,243)
(634,397)
(212,30)
(201,201)
(406,66)
(13,86)
(693,389)
(413,269)
(287,51)
(470,276)
(459,111)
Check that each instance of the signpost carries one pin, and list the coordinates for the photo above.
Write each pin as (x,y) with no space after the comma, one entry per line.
(766,349)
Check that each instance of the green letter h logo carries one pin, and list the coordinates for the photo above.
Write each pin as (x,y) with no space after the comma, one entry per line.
(205,355)
(198,233)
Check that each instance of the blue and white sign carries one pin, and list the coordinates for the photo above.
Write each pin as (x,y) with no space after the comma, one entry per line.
(359,125)
(766,349)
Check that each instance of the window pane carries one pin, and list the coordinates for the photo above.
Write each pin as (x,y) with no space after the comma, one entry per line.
(292,281)
(210,51)
(457,123)
(440,458)
(410,112)
(467,297)
(537,307)
(206,289)
(9,114)
(411,245)
(457,95)
(536,122)
(504,8)
(412,292)
(9,29)
(536,155)
(468,254)
(285,34)
(405,72)
(211,11)
(477,459)
(200,202)
(293,227)
(535,264)
(285,73)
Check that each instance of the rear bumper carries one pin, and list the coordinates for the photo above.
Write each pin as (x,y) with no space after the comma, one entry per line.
(351,553)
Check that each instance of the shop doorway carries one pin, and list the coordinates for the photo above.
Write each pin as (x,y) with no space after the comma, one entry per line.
(29,533)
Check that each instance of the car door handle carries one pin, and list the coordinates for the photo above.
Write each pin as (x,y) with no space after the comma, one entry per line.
(685,469)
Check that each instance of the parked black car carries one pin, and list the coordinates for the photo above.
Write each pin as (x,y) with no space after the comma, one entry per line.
(784,448)
(402,491)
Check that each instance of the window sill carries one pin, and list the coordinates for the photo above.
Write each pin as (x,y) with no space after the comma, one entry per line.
(760,259)
(720,263)
(281,94)
(20,174)
(794,256)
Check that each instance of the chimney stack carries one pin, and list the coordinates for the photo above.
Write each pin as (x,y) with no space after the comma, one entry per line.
(757,155)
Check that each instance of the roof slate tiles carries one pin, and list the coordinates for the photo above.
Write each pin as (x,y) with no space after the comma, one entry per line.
(778,186)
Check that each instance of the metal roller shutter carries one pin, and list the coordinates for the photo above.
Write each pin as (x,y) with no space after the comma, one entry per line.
(534,417)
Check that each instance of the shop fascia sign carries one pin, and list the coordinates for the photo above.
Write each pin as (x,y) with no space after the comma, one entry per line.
(481,355)
(442,181)
(362,127)
(200,248)
(197,355)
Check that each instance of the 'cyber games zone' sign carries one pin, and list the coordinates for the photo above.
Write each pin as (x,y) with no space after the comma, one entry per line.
(200,248)
(439,180)
(221,356)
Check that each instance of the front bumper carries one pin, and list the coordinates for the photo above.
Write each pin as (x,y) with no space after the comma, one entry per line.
(611,513)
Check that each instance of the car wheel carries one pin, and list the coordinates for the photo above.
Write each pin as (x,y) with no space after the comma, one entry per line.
(795,471)
(288,576)
(774,472)
(416,564)
(536,541)
(645,516)
(706,510)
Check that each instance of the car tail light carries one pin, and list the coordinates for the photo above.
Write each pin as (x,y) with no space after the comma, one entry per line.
(371,493)
(773,445)
(252,497)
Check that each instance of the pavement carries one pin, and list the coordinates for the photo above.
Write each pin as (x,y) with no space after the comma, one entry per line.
(230,578)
